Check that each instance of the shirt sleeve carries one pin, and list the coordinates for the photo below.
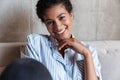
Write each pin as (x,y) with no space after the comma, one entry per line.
(95,60)
(30,50)
(96,63)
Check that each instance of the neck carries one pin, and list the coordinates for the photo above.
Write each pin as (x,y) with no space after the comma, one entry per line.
(62,52)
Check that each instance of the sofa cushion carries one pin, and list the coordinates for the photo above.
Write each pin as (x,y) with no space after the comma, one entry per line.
(109,56)
(9,52)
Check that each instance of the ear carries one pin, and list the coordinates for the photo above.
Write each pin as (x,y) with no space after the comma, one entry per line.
(71,14)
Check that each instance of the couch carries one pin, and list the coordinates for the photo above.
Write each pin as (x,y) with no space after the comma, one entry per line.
(108,53)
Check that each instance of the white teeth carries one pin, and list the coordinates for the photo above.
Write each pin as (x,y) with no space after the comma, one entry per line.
(61,31)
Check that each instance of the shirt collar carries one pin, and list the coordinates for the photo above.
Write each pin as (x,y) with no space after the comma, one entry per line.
(53,41)
(68,52)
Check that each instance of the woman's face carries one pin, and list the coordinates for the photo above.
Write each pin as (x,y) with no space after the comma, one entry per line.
(58,22)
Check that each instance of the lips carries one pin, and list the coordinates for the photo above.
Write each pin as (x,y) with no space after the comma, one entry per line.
(62,31)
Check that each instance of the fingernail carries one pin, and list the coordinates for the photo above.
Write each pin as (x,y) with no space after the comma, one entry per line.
(59,48)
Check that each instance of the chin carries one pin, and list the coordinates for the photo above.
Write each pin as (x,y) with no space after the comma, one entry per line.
(63,37)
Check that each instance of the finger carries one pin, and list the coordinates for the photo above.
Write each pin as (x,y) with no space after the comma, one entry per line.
(62,45)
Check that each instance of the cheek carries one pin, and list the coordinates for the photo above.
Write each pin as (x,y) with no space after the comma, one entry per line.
(50,30)
(69,23)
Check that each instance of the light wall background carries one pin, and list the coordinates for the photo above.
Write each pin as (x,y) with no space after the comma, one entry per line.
(93,20)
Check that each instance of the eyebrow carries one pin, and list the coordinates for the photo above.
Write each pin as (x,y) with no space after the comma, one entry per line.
(60,14)
(47,20)
(57,16)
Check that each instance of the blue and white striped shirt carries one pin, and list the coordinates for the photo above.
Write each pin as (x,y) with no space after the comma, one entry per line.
(43,48)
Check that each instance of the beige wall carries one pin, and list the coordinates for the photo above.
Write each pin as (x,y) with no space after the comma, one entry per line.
(93,20)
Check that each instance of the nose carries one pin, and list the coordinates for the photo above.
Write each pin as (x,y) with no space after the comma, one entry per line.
(58,26)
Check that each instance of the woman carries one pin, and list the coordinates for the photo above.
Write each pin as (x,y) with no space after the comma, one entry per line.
(65,57)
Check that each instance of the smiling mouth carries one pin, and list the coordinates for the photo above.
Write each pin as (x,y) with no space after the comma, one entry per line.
(62,31)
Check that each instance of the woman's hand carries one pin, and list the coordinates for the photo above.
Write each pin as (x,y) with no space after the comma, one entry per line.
(73,44)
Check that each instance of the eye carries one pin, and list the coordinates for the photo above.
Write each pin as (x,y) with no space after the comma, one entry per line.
(49,22)
(62,17)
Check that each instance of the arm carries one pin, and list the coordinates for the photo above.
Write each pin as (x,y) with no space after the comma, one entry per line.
(30,49)
(90,73)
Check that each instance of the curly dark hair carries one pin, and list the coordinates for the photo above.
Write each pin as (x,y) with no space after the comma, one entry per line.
(43,5)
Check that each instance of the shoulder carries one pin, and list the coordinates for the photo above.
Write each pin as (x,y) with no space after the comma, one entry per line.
(92,51)
(91,48)
(85,43)
(37,38)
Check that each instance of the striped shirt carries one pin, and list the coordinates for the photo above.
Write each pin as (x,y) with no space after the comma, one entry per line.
(71,67)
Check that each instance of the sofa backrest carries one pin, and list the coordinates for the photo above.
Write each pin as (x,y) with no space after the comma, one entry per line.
(9,52)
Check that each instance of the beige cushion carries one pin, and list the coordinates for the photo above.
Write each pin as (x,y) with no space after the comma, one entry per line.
(9,52)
